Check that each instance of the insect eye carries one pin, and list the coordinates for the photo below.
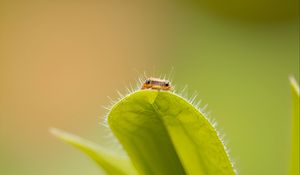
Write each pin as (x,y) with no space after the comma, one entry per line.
(147,82)
(167,84)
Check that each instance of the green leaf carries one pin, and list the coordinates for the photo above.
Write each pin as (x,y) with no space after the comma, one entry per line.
(164,134)
(111,163)
(294,166)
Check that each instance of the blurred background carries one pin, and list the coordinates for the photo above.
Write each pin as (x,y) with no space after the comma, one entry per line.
(59,60)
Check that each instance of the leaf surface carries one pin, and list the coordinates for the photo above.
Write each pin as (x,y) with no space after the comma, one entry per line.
(164,134)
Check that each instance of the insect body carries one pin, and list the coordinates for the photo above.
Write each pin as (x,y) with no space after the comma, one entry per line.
(156,83)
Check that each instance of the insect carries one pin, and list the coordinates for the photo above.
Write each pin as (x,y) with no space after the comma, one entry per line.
(156,83)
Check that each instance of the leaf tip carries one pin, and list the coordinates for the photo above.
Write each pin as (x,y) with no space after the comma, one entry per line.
(64,136)
(57,132)
(294,84)
(54,131)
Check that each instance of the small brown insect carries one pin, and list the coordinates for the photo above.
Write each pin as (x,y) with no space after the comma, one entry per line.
(156,83)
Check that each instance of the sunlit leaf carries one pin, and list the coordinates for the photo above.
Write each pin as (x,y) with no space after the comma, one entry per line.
(111,163)
(294,166)
(164,134)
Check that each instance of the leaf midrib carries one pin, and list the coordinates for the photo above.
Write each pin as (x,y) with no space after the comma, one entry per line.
(159,113)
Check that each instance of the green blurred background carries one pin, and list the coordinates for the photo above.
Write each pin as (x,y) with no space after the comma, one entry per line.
(59,60)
